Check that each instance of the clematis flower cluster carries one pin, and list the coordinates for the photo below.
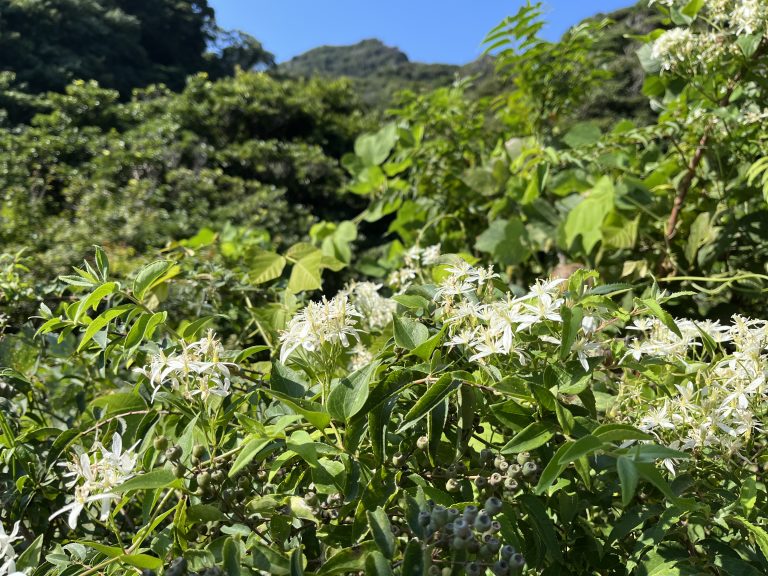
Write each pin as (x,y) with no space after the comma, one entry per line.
(95,476)
(719,407)
(484,325)
(415,259)
(7,553)
(376,310)
(196,371)
(331,322)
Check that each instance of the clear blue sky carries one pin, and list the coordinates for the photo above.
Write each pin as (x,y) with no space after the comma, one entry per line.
(446,31)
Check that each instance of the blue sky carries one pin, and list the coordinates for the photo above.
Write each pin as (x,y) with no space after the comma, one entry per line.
(447,31)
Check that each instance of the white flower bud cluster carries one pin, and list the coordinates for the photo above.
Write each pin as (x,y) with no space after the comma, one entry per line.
(414,259)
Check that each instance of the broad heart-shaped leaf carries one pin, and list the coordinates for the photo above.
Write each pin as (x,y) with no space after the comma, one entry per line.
(506,241)
(587,216)
(582,134)
(373,149)
(350,393)
(305,274)
(435,394)
(160,478)
(409,333)
(529,438)
(381,529)
(265,266)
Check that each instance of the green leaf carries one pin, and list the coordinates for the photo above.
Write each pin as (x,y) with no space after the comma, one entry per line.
(154,480)
(661,314)
(377,565)
(413,558)
(619,433)
(628,477)
(582,447)
(347,560)
(252,445)
(426,348)
(586,218)
(373,149)
(571,324)
(760,535)
(409,333)
(543,525)
(305,274)
(749,43)
(30,558)
(231,557)
(693,8)
(553,469)
(265,266)
(381,529)
(149,276)
(100,322)
(529,438)
(312,412)
(435,394)
(506,241)
(204,513)
(296,561)
(583,134)
(94,298)
(349,395)
(102,262)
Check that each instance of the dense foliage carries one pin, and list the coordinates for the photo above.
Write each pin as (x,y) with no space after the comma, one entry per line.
(122,44)
(453,344)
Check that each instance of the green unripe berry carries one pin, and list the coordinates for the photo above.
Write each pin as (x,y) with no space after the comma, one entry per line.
(398,459)
(174,453)
(452,485)
(453,514)
(514,470)
(424,518)
(495,527)
(473,546)
(198,451)
(492,506)
(481,482)
(179,470)
(195,461)
(204,480)
(434,571)
(503,466)
(493,544)
(160,443)
(507,551)
(498,461)
(523,457)
(422,443)
(486,454)
(500,568)
(510,485)
(218,476)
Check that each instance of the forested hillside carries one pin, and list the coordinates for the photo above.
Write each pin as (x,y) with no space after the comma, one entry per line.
(356,315)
